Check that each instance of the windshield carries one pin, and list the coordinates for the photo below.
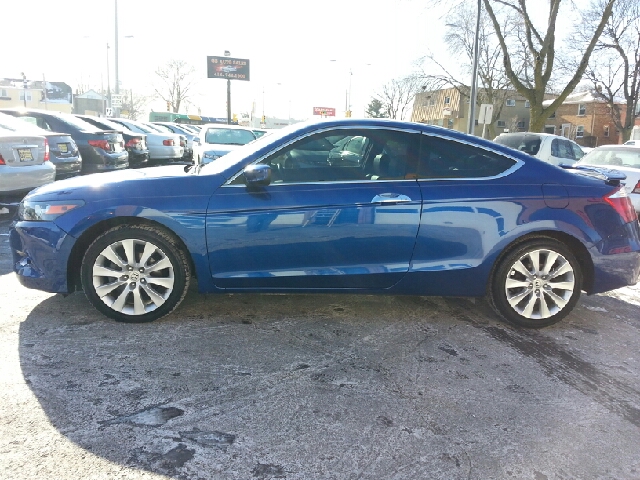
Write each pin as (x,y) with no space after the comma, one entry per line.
(229,136)
(236,156)
(620,157)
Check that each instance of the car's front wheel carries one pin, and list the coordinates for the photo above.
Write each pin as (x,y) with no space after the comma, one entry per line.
(537,284)
(135,273)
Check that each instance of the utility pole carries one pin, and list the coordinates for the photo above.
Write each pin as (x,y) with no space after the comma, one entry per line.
(24,88)
(44,90)
(116,59)
(471,126)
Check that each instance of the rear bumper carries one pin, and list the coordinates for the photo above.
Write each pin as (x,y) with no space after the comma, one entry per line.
(138,158)
(67,167)
(16,180)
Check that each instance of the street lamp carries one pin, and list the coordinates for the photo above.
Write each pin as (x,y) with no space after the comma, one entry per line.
(227,53)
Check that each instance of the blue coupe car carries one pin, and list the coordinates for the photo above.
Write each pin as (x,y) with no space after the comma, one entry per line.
(355,206)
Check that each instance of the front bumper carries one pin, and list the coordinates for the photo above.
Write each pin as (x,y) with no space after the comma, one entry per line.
(40,253)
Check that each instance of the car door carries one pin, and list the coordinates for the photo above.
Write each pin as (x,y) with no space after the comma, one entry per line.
(320,223)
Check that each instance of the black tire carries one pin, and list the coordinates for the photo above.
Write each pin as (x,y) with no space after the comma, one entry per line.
(536,293)
(149,289)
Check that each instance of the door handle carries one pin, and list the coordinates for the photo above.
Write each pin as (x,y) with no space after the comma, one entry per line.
(390,198)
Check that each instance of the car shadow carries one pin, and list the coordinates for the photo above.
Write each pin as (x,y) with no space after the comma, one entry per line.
(227,382)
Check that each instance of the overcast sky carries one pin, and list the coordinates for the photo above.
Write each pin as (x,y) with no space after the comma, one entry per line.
(290,45)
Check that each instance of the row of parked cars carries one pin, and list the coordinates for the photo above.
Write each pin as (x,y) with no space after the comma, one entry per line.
(40,146)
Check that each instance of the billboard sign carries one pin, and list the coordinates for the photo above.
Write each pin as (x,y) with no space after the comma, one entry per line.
(227,67)
(324,111)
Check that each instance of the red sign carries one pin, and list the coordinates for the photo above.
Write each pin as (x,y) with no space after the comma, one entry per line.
(324,111)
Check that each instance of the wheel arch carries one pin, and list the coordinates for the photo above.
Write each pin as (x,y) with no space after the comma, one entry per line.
(575,245)
(91,233)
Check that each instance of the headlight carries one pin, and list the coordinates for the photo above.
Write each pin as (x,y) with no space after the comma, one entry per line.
(45,211)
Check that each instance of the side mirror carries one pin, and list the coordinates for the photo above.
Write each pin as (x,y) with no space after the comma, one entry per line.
(257,175)
(196,141)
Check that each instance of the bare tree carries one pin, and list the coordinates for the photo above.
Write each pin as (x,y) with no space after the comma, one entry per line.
(133,106)
(176,80)
(529,70)
(397,96)
(493,82)
(614,68)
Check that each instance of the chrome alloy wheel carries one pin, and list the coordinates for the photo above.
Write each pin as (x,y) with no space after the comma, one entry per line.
(540,284)
(133,276)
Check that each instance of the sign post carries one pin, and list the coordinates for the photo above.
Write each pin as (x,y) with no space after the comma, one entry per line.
(485,115)
(230,69)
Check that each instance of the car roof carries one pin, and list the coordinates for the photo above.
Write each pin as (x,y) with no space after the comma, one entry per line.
(615,146)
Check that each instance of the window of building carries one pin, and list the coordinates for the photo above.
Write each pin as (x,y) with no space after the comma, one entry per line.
(582,109)
(427,101)
(511,102)
(502,124)
(527,104)
(432,102)
(3,92)
(450,123)
(447,100)
(28,95)
(580,131)
(606,130)
(521,124)
(553,115)
(550,129)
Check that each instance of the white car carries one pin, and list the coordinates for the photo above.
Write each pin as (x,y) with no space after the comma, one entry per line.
(625,159)
(24,163)
(550,148)
(216,140)
(164,148)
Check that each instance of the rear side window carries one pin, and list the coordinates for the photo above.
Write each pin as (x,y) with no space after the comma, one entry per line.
(441,158)
(525,143)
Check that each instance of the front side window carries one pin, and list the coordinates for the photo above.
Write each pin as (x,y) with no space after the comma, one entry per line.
(345,155)
(440,158)
(562,149)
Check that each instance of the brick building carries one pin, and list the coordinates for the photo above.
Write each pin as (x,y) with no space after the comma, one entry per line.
(585,119)
(448,109)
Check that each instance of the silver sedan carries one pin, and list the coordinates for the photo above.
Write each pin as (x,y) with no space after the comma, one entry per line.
(24,163)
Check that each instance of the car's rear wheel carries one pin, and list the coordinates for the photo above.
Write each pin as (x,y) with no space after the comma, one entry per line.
(135,273)
(537,284)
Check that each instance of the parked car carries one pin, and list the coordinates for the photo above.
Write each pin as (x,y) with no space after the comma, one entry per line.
(24,163)
(216,140)
(135,143)
(164,148)
(184,138)
(63,151)
(423,211)
(101,150)
(623,158)
(180,129)
(632,142)
(260,132)
(550,148)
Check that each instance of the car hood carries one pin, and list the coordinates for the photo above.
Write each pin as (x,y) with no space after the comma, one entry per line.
(137,184)
(219,149)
